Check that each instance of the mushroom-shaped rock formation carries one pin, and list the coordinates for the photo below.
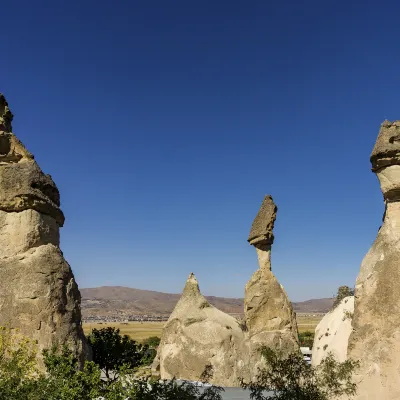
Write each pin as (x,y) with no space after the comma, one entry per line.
(199,338)
(375,340)
(38,293)
(333,331)
(269,315)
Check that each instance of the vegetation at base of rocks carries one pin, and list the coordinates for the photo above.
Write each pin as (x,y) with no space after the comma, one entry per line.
(306,339)
(152,342)
(290,378)
(172,390)
(113,351)
(20,377)
(343,291)
(18,367)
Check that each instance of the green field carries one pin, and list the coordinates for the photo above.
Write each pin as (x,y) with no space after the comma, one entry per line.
(308,322)
(136,330)
(142,330)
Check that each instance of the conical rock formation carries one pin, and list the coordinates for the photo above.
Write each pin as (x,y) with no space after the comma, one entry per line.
(198,337)
(38,293)
(375,340)
(333,331)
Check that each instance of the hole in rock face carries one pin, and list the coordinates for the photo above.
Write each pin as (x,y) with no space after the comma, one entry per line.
(4,145)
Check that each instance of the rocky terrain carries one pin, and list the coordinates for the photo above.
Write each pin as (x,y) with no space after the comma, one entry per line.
(199,337)
(38,292)
(376,329)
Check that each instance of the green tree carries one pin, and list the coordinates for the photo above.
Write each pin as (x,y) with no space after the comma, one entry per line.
(18,368)
(172,390)
(112,351)
(343,291)
(290,378)
(66,381)
(306,339)
(152,342)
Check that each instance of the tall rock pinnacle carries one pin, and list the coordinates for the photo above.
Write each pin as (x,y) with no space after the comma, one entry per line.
(270,318)
(38,293)
(375,340)
(198,335)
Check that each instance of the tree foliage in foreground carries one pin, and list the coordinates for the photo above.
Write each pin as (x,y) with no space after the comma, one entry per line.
(113,351)
(20,379)
(290,378)
(286,378)
(343,291)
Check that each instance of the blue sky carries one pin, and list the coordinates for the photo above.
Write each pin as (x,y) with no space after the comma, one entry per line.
(164,123)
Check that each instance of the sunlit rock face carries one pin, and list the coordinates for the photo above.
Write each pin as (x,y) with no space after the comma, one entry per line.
(270,319)
(197,335)
(333,331)
(38,293)
(375,340)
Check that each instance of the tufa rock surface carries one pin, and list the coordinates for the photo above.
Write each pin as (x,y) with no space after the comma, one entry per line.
(333,331)
(198,336)
(263,224)
(38,293)
(270,319)
(375,340)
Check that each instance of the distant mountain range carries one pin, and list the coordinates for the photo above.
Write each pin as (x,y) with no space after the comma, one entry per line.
(109,300)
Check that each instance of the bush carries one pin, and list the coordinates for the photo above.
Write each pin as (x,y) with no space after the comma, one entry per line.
(290,378)
(18,370)
(306,339)
(113,351)
(343,291)
(152,342)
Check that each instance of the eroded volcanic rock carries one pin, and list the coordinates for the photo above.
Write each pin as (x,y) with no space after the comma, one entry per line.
(198,335)
(333,331)
(270,319)
(375,340)
(38,293)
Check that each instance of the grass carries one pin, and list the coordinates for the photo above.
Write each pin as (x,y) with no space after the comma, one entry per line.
(142,330)
(307,322)
(136,330)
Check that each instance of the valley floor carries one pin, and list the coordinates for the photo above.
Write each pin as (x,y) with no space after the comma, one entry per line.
(142,330)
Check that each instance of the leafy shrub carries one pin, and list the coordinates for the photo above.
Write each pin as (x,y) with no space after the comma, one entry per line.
(290,378)
(306,339)
(113,351)
(343,291)
(18,370)
(152,342)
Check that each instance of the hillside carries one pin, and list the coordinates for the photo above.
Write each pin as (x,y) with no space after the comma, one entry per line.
(107,300)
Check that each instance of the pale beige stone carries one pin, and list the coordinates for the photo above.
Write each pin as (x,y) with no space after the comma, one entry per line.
(20,231)
(198,335)
(375,339)
(333,331)
(38,293)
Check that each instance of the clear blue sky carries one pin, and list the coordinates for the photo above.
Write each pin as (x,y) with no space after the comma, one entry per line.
(164,123)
